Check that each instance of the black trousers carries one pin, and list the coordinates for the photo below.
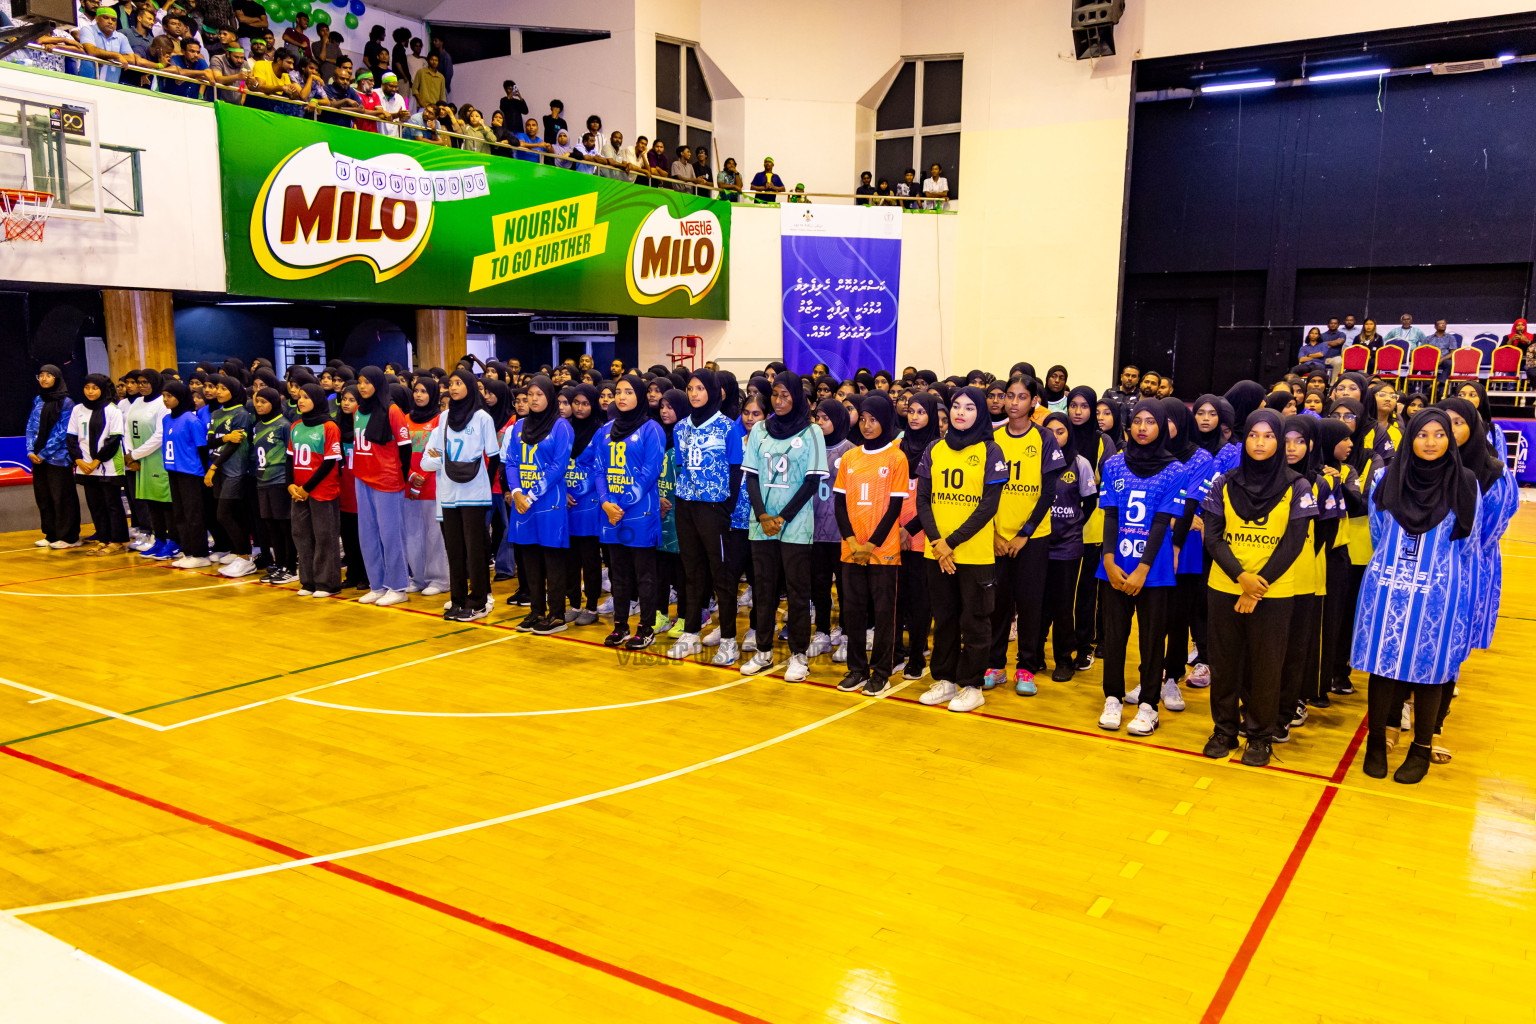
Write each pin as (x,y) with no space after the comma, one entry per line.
(869,599)
(1385,699)
(1085,615)
(316,528)
(469,570)
(546,580)
(104,497)
(1338,617)
(1150,609)
(701,530)
(773,561)
(669,577)
(58,503)
(826,558)
(1057,618)
(963,602)
(1020,590)
(913,613)
(1247,656)
(1299,672)
(1188,594)
(234,516)
(352,552)
(159,520)
(632,574)
(584,563)
(187,512)
(211,522)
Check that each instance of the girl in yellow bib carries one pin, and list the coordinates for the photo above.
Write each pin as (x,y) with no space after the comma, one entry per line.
(1256,525)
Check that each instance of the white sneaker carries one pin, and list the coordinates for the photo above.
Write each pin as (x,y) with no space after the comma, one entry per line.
(820,644)
(836,638)
(301,591)
(64,545)
(1199,676)
(1013,629)
(432,590)
(799,669)
(749,642)
(372,596)
(411,588)
(447,605)
(1406,725)
(634,607)
(1173,700)
(940,692)
(322,593)
(1133,697)
(1145,722)
(840,653)
(687,646)
(142,544)
(762,661)
(726,655)
(712,638)
(1110,719)
(239,567)
(232,558)
(196,563)
(869,640)
(392,597)
(605,606)
(217,556)
(41,542)
(490,605)
(745,600)
(1194,653)
(182,563)
(969,699)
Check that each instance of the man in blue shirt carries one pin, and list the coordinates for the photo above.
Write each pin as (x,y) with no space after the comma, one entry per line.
(191,64)
(529,139)
(101,39)
(766,184)
(340,95)
(1407,335)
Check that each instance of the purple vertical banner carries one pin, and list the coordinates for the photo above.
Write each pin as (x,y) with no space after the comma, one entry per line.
(841,276)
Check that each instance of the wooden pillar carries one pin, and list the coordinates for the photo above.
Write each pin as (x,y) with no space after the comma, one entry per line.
(440,337)
(141,330)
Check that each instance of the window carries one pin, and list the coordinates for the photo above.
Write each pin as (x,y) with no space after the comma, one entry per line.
(918,121)
(684,105)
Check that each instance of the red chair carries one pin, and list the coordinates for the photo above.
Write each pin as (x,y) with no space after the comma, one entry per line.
(1505,371)
(1465,365)
(1389,361)
(1356,358)
(1423,365)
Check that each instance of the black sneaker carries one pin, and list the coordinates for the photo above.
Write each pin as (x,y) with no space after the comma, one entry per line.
(1257,753)
(643,638)
(852,681)
(1219,746)
(1343,689)
(1064,672)
(528,622)
(458,613)
(877,687)
(1321,701)
(520,599)
(549,624)
(1282,733)
(501,577)
(1085,663)
(616,638)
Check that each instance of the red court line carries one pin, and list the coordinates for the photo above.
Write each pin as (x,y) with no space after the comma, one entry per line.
(575,956)
(1277,892)
(88,572)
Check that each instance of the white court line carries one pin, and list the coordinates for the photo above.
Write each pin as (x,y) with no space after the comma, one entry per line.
(349,679)
(394,844)
(520,714)
(39,700)
(137,593)
(81,704)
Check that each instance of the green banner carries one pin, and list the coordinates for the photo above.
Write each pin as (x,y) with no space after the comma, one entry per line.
(318,211)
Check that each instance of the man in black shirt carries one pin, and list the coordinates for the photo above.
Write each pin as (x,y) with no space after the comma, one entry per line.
(514,109)
(864,189)
(252,18)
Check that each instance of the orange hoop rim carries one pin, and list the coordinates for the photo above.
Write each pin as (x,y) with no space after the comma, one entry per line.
(24,193)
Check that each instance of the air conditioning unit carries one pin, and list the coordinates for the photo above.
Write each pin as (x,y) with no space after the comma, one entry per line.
(548,326)
(1462,67)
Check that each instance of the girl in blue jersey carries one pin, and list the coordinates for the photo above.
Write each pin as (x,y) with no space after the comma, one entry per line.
(585,561)
(1472,391)
(184,444)
(464,453)
(536,455)
(1143,490)
(1188,545)
(754,409)
(1414,625)
(672,409)
(708,475)
(630,458)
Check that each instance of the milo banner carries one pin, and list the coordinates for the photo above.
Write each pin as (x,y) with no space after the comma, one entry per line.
(316,211)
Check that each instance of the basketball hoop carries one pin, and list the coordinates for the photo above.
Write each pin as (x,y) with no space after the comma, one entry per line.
(24,213)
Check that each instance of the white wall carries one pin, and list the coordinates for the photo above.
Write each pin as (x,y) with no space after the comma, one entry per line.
(179,242)
(597,77)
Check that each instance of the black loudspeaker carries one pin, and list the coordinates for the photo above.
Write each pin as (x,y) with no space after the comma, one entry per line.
(61,11)
(1093,32)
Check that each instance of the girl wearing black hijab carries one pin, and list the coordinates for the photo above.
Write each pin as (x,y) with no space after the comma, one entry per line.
(583,509)
(1474,392)
(1335,443)
(1413,639)
(839,434)
(1053,394)
(504,403)
(709,460)
(145,461)
(537,454)
(672,409)
(1213,422)
(1095,445)
(1186,606)
(1074,500)
(1256,524)
(784,464)
(959,487)
(95,441)
(426,556)
(1142,491)
(53,478)
(381,464)
(344,411)
(185,444)
(1299,676)
(631,458)
(463,453)
(913,613)
(229,441)
(314,449)
(1244,397)
(1501,499)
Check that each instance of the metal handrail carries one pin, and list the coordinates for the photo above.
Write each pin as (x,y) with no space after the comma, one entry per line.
(498,148)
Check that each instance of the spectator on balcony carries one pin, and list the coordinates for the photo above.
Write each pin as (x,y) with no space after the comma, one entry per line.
(140,32)
(311,89)
(297,34)
(393,105)
(562,147)
(615,156)
(191,63)
(422,127)
(371,99)
(587,151)
(428,85)
(659,164)
(884,196)
(339,94)
(798,195)
(101,39)
(765,184)
(221,41)
(1406,334)
(397,57)
(326,50)
(528,140)
(444,61)
(226,70)
(637,160)
(1443,339)
(554,124)
(271,41)
(414,61)
(250,18)
(682,170)
(506,139)
(481,138)
(730,181)
(375,53)
(273,78)
(936,188)
(514,109)
(907,187)
(181,28)
(864,190)
(216,15)
(701,174)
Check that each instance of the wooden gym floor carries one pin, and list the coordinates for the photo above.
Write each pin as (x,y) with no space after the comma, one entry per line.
(281,809)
